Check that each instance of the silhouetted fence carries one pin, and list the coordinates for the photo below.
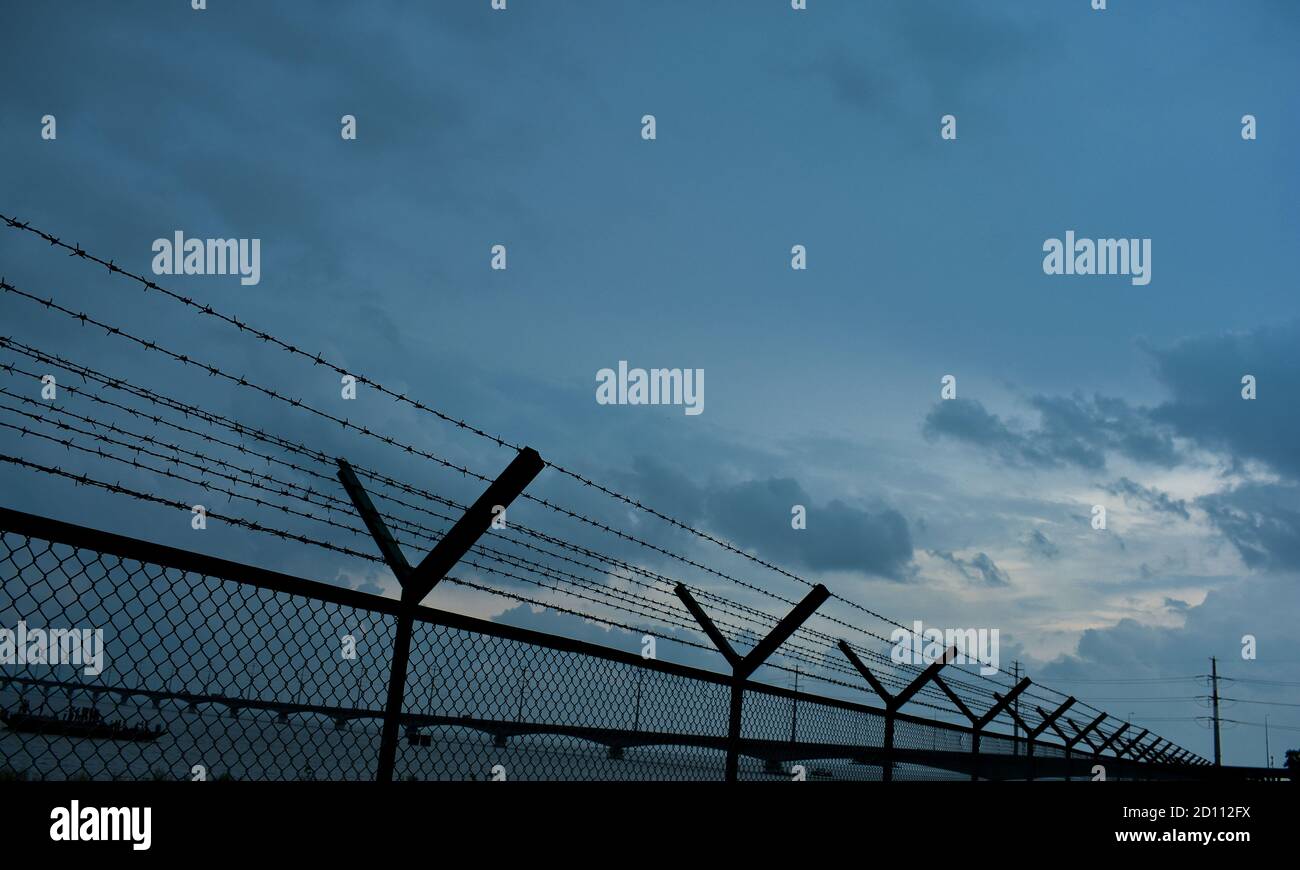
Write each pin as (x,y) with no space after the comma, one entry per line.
(212,669)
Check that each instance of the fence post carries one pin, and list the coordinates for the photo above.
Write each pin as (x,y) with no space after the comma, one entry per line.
(1081,734)
(1133,758)
(1047,719)
(417,582)
(979,723)
(894,702)
(1106,744)
(742,668)
(1065,742)
(1146,750)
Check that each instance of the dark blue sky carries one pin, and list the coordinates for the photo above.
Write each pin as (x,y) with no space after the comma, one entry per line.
(775,128)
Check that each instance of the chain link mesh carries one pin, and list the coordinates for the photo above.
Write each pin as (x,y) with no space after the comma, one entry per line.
(229,677)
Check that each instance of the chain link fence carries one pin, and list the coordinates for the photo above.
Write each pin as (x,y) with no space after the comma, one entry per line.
(144,662)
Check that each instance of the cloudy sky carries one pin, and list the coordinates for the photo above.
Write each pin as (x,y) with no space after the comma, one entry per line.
(774,128)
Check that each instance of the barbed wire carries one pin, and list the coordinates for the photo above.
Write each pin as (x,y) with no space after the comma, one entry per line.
(83,479)
(318,359)
(816,660)
(215,371)
(255,526)
(639,605)
(118,488)
(148,395)
(160,421)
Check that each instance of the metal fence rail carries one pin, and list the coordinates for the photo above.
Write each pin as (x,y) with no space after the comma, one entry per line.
(237,672)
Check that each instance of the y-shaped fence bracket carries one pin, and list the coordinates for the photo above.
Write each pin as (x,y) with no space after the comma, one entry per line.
(417,582)
(979,723)
(1081,734)
(893,702)
(1128,747)
(743,667)
(1149,749)
(1106,744)
(1031,733)
(1049,721)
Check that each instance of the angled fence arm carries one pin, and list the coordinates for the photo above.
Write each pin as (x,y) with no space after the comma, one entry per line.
(472,524)
(1162,752)
(956,700)
(1030,733)
(1147,750)
(815,598)
(375,524)
(1050,719)
(708,625)
(875,684)
(1111,739)
(1083,734)
(743,668)
(926,676)
(1128,748)
(417,582)
(978,724)
(1053,720)
(1002,703)
(892,703)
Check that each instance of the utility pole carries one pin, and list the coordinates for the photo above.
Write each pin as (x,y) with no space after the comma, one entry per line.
(1214,678)
(1015,720)
(636,716)
(1268,757)
(794,710)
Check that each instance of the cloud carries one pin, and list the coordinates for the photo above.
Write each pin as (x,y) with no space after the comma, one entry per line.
(839,536)
(1072,431)
(1042,545)
(980,568)
(1157,500)
(756,514)
(1204,376)
(1170,657)
(1262,521)
(914,58)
